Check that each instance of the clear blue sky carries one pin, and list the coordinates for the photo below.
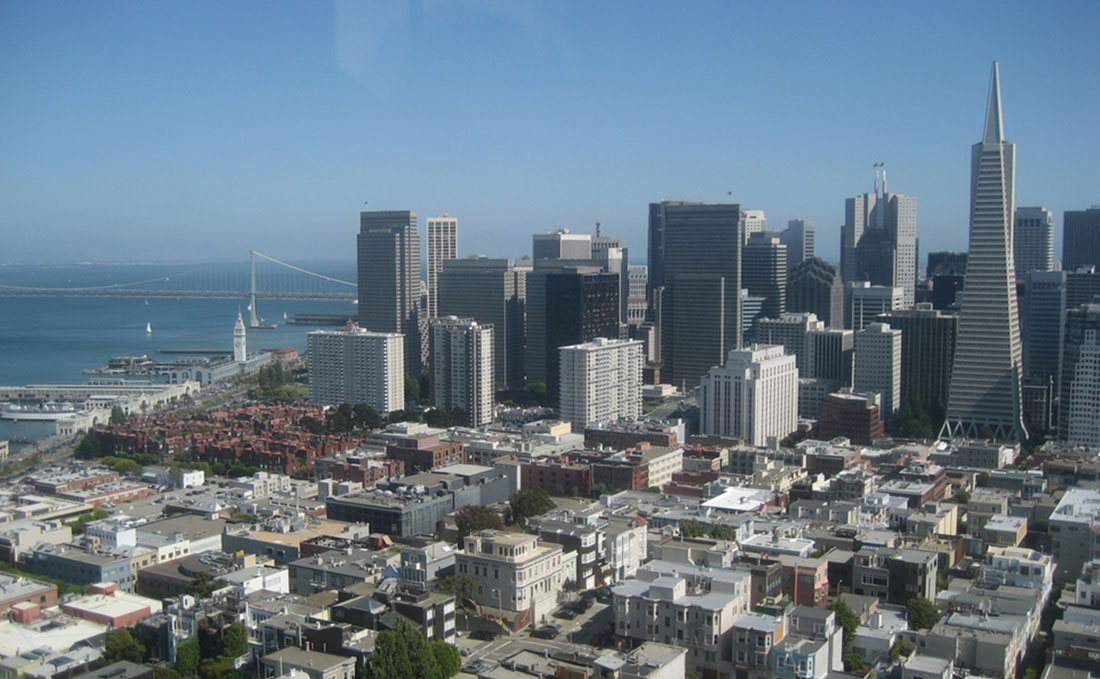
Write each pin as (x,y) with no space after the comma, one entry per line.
(191,130)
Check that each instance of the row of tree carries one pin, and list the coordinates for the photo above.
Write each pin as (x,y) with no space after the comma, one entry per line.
(525,504)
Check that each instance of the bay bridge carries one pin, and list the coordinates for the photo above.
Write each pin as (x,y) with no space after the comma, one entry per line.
(264,278)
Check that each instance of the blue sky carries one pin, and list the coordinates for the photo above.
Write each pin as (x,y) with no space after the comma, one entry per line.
(193,130)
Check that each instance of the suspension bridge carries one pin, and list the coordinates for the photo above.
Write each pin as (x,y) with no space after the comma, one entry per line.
(264,278)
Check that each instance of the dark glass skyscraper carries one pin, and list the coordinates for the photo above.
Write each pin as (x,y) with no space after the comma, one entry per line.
(1081,238)
(695,259)
(388,255)
(814,286)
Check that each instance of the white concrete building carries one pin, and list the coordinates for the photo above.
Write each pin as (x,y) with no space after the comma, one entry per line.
(600,380)
(261,484)
(356,366)
(625,545)
(753,397)
(791,331)
(1074,526)
(462,367)
(442,245)
(518,576)
(877,367)
(256,578)
(866,302)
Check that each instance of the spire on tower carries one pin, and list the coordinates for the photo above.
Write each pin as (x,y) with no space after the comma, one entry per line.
(994,131)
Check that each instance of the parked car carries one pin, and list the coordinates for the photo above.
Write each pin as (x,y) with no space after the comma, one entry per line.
(582,605)
(547,631)
(566,614)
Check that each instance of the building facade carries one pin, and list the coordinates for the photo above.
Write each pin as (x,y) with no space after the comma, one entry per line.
(388,251)
(878,241)
(1081,239)
(764,271)
(927,353)
(357,366)
(1033,240)
(878,365)
(442,245)
(799,239)
(462,368)
(518,575)
(753,397)
(1080,377)
(601,380)
(815,286)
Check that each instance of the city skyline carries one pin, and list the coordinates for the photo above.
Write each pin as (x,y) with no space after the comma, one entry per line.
(119,121)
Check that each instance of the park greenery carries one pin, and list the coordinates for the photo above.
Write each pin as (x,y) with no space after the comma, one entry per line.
(275,383)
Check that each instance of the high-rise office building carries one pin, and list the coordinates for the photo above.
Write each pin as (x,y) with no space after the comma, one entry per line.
(866,302)
(357,366)
(789,331)
(694,259)
(1044,320)
(388,256)
(601,380)
(764,271)
(492,292)
(1033,240)
(754,396)
(442,245)
(561,244)
(1079,407)
(878,241)
(814,286)
(1082,286)
(462,368)
(637,279)
(1081,238)
(752,310)
(566,305)
(984,399)
(614,258)
(755,222)
(829,355)
(799,239)
(877,367)
(927,354)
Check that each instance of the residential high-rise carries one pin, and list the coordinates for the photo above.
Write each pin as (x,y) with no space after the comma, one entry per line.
(1081,238)
(600,380)
(878,365)
(984,400)
(754,396)
(866,302)
(492,292)
(388,256)
(695,257)
(878,241)
(1044,321)
(462,368)
(764,271)
(442,245)
(815,286)
(789,331)
(799,239)
(1079,412)
(1033,240)
(927,354)
(357,366)
(829,355)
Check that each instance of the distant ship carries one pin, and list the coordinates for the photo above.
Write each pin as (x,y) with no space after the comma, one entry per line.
(149,328)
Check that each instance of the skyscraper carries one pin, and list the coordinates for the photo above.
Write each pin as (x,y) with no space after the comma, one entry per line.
(1081,238)
(695,256)
(754,396)
(829,355)
(814,286)
(442,245)
(492,292)
(867,301)
(789,331)
(389,278)
(878,241)
(1033,240)
(927,354)
(764,271)
(878,365)
(755,222)
(561,244)
(1044,323)
(799,239)
(462,368)
(984,398)
(356,366)
(1080,381)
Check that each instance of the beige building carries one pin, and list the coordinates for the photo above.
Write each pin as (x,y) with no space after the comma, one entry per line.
(519,576)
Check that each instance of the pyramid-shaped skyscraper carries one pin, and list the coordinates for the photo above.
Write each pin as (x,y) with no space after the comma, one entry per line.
(984,398)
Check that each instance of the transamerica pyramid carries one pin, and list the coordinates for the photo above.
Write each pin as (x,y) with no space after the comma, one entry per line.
(984,396)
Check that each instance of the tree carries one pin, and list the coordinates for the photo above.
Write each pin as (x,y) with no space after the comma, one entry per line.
(846,619)
(600,489)
(402,653)
(899,649)
(461,587)
(119,644)
(187,657)
(234,641)
(117,416)
(961,497)
(366,417)
(88,448)
(923,614)
(412,390)
(473,518)
(529,502)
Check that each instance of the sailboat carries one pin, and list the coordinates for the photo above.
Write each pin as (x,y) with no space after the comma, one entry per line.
(149,328)
(284,315)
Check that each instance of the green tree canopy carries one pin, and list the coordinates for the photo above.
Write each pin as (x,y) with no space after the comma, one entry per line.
(88,448)
(846,619)
(119,644)
(473,518)
(234,641)
(117,416)
(923,614)
(187,657)
(529,502)
(402,653)
(462,587)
